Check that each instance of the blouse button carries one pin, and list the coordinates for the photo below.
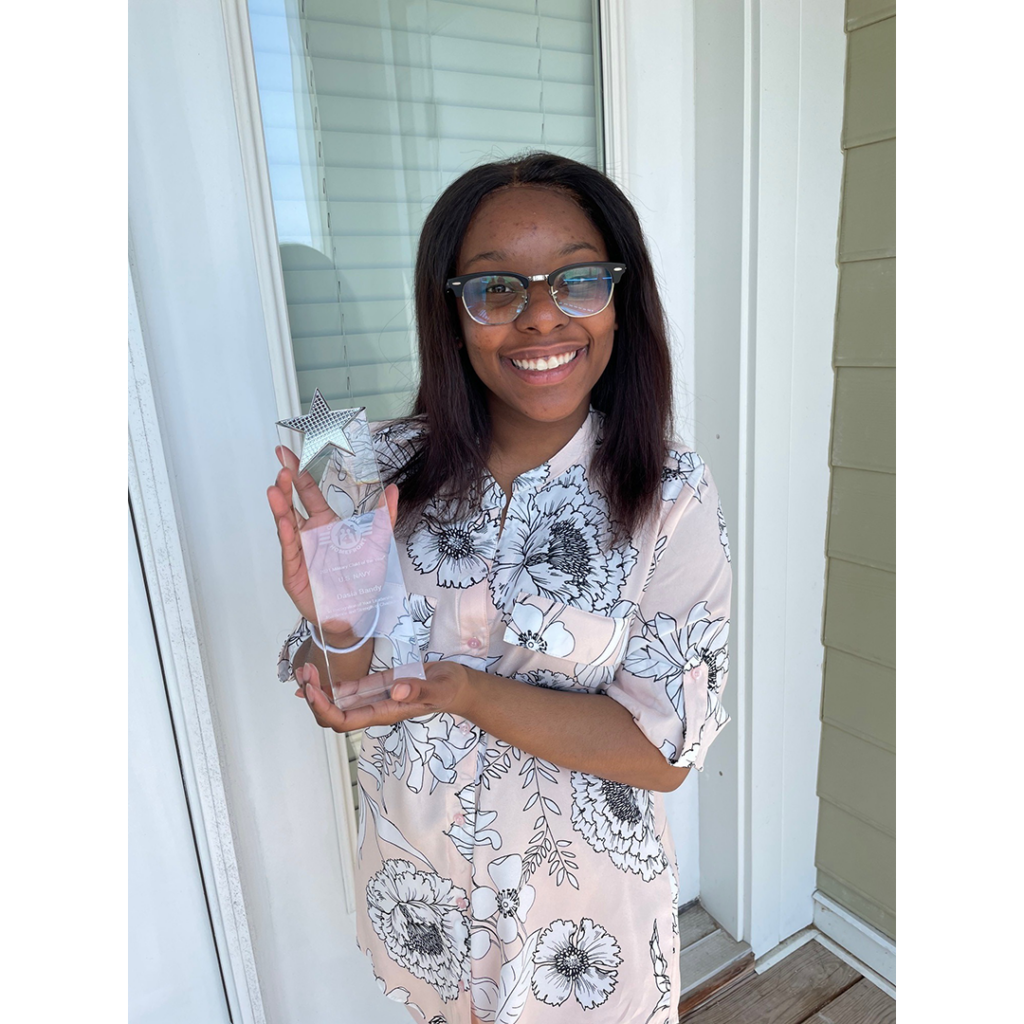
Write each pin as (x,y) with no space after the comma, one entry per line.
(473,642)
(460,818)
(465,727)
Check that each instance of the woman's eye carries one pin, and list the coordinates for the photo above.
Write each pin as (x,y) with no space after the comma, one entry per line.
(498,289)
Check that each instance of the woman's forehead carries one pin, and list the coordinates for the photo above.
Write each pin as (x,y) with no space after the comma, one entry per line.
(526,220)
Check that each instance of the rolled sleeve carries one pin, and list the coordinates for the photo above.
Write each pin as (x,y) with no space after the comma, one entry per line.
(676,660)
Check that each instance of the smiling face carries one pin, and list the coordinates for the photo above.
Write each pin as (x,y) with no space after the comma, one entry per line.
(533,231)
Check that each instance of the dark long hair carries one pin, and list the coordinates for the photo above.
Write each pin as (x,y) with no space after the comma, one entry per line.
(634,392)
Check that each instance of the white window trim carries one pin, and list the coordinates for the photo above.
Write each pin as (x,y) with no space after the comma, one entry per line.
(256,171)
(610,16)
(163,564)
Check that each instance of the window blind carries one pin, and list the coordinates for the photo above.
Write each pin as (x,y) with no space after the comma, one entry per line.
(370,109)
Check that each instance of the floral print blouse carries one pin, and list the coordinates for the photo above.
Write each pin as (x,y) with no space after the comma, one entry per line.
(495,881)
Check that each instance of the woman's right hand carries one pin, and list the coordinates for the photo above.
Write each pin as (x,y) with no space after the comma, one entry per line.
(293,565)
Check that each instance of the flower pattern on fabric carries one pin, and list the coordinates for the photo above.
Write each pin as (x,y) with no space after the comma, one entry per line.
(294,640)
(418,745)
(476,823)
(548,680)
(416,916)
(688,471)
(528,630)
(673,877)
(557,544)
(422,616)
(395,443)
(510,900)
(457,551)
(471,826)
(594,678)
(576,960)
(618,820)
(723,533)
(707,642)
(661,977)
(687,660)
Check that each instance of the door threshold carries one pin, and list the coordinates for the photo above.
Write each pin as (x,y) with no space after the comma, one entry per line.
(711,961)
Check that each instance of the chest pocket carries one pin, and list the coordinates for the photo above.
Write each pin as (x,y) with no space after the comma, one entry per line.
(564,633)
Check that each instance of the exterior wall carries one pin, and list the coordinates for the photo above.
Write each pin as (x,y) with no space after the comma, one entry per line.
(856,843)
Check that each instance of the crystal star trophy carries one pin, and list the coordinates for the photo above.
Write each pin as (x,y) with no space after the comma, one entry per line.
(350,550)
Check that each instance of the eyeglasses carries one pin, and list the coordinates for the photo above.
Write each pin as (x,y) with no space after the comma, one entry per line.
(580,289)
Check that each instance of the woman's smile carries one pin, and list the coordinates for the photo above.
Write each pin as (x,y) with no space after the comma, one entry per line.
(548,367)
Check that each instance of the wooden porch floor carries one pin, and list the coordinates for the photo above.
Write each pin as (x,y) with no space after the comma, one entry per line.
(811,985)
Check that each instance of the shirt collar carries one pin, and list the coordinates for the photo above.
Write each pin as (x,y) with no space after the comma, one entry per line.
(576,450)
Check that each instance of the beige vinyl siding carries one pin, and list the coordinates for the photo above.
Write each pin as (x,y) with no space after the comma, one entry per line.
(856,843)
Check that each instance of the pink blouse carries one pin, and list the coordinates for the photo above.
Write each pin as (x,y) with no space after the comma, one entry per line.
(492,878)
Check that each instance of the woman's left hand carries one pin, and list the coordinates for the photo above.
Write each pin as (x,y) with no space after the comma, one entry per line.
(446,688)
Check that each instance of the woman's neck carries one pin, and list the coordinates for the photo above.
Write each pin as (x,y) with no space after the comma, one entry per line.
(519,444)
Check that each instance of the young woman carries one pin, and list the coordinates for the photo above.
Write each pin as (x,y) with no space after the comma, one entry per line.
(569,571)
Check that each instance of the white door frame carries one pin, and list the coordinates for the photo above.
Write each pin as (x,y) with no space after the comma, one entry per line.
(769,108)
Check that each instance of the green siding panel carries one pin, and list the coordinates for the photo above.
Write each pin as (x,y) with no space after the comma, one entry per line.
(864,12)
(856,849)
(858,776)
(870,112)
(862,524)
(866,909)
(866,314)
(860,611)
(864,419)
(857,854)
(868,223)
(860,696)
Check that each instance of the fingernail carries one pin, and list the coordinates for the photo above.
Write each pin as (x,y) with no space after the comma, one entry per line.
(401,691)
(309,693)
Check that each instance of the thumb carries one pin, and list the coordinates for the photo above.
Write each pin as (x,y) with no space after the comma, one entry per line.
(391,496)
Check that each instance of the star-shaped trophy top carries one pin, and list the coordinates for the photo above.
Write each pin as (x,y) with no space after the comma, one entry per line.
(323,427)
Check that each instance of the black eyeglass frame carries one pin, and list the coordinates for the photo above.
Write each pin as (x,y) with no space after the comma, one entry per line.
(457,284)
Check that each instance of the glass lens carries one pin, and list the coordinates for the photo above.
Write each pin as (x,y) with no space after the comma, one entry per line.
(494,298)
(583,291)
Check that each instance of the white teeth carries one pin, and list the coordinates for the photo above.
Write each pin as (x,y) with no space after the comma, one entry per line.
(544,364)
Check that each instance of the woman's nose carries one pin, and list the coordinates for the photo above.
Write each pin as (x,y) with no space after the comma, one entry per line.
(542,313)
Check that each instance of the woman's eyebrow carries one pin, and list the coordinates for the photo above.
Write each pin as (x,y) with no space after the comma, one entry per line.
(497,256)
(576,247)
(493,255)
